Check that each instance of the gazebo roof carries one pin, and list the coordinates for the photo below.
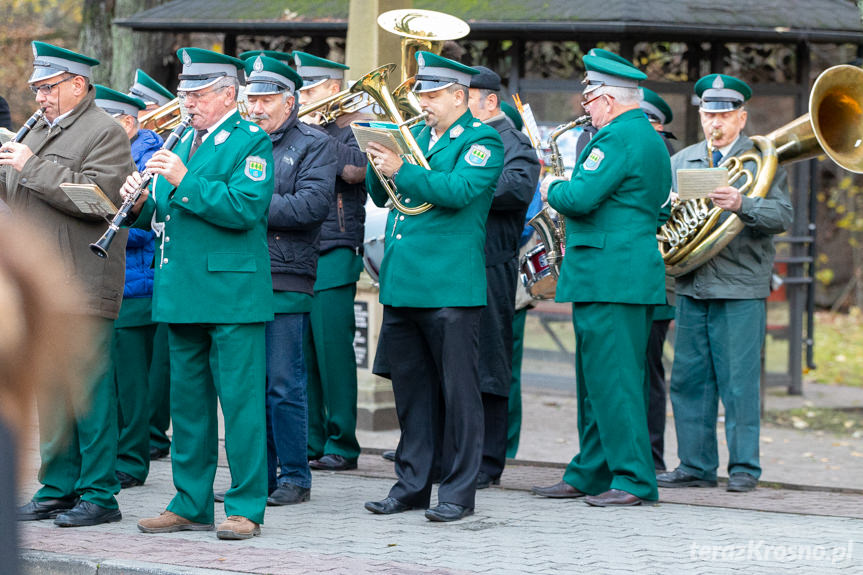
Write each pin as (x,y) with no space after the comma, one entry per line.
(833,21)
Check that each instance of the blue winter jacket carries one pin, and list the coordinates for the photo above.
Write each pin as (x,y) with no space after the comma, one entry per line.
(140,247)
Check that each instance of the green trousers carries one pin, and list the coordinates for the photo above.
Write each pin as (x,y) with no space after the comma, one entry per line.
(611,344)
(717,355)
(79,448)
(159,390)
(228,363)
(332,372)
(131,353)
(513,422)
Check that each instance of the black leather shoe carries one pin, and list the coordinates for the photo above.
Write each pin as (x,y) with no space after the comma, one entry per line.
(387,506)
(448,512)
(389,455)
(127,481)
(484,480)
(741,482)
(679,478)
(86,513)
(289,494)
(45,509)
(613,498)
(561,490)
(333,462)
(159,452)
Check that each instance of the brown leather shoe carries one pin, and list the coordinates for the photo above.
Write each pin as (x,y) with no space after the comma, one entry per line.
(613,498)
(238,527)
(169,522)
(561,490)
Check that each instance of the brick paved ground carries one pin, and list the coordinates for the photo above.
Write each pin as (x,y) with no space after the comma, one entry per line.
(512,533)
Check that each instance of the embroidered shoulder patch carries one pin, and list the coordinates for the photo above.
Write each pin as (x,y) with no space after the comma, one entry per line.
(221,137)
(256,168)
(593,160)
(456,132)
(253,128)
(477,155)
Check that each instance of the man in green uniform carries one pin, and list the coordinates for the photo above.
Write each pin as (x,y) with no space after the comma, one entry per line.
(623,175)
(433,287)
(74,142)
(720,318)
(208,204)
(134,330)
(333,444)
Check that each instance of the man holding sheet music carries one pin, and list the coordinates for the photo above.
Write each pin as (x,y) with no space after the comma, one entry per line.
(433,287)
(720,318)
(76,142)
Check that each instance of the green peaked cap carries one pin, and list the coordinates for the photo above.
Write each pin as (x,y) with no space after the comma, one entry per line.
(50,61)
(286,57)
(149,90)
(265,75)
(314,70)
(721,93)
(435,72)
(603,71)
(655,106)
(115,102)
(609,55)
(202,68)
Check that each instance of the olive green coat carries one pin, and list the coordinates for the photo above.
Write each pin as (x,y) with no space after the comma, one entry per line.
(86,147)
(437,258)
(212,258)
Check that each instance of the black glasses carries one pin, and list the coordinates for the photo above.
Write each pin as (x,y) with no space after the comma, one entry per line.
(46,89)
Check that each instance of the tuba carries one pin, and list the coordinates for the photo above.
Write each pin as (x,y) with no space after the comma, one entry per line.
(551,229)
(693,235)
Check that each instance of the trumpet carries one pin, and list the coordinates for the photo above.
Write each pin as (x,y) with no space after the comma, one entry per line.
(100,248)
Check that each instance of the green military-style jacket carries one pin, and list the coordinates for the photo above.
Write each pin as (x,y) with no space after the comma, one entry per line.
(612,205)
(437,258)
(212,259)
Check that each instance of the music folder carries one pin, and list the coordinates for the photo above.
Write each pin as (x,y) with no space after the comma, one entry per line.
(89,199)
(697,183)
(386,134)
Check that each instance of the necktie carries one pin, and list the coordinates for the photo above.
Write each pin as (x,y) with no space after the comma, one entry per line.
(717,157)
(199,138)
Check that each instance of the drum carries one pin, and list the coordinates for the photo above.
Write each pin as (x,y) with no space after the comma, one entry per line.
(536,274)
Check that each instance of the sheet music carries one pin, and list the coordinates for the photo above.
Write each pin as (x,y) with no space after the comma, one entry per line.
(699,182)
(386,134)
(89,199)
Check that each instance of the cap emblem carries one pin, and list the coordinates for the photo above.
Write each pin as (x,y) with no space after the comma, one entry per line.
(259,64)
(718,83)
(187,60)
(35,51)
(421,61)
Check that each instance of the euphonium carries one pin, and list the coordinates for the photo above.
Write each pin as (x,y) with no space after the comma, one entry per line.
(332,107)
(163,119)
(834,125)
(551,229)
(375,85)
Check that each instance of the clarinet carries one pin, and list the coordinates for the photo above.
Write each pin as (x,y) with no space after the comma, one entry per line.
(100,248)
(28,125)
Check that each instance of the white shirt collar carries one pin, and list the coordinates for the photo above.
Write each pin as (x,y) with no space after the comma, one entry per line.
(215,126)
(725,149)
(60,117)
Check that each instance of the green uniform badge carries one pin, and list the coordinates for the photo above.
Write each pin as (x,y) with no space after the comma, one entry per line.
(256,168)
(593,160)
(477,155)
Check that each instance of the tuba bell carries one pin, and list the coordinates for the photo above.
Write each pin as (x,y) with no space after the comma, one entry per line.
(834,125)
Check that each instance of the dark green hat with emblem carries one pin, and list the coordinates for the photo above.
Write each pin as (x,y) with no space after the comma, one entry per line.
(117,103)
(721,93)
(655,107)
(265,75)
(436,72)
(202,68)
(609,55)
(512,114)
(50,61)
(285,57)
(314,70)
(603,71)
(149,90)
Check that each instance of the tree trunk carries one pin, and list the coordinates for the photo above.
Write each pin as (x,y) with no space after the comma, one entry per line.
(95,37)
(153,52)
